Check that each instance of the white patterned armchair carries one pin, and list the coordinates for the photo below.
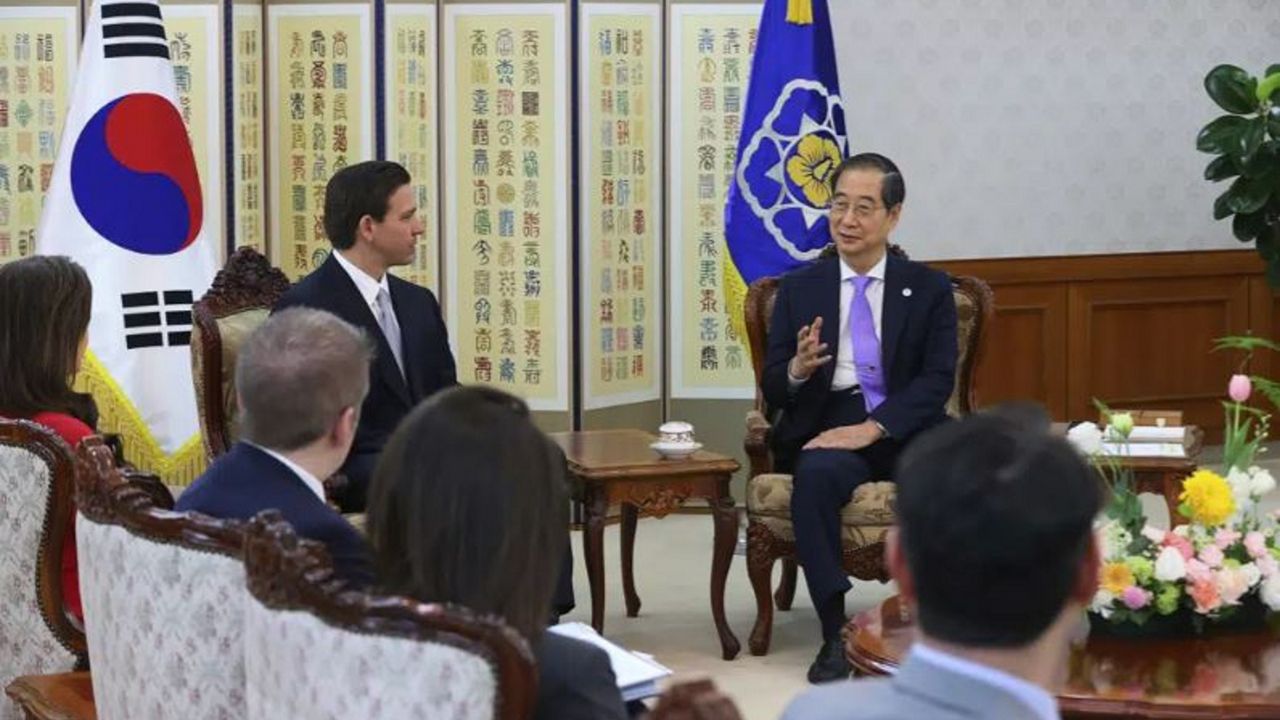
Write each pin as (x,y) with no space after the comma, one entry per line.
(37,472)
(306,638)
(162,601)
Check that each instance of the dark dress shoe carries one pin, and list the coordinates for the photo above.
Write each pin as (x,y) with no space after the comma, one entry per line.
(830,663)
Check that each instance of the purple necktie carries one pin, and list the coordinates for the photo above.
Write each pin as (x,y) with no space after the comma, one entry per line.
(866,346)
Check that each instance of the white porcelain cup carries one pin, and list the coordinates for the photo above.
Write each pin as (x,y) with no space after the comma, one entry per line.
(676,431)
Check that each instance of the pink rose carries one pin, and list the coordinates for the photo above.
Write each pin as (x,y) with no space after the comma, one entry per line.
(1212,556)
(1183,545)
(1135,598)
(1232,585)
(1224,538)
(1198,572)
(1206,597)
(1239,388)
(1267,565)
(1255,543)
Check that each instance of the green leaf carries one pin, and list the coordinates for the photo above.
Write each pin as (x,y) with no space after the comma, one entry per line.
(1248,195)
(1272,70)
(1265,163)
(1270,389)
(1273,126)
(1232,88)
(1255,132)
(1247,226)
(1221,168)
(1220,207)
(1223,135)
(1269,84)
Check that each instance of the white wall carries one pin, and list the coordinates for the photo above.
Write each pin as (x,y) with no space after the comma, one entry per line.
(1046,127)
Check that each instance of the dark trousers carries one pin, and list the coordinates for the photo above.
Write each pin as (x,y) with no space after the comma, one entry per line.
(824,481)
(562,601)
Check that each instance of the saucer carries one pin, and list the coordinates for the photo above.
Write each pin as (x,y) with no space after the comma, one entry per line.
(675,450)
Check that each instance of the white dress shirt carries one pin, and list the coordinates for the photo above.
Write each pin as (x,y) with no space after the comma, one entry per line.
(1033,696)
(367,286)
(307,478)
(846,372)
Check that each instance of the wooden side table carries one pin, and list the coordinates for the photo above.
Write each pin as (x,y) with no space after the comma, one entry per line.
(618,466)
(1214,676)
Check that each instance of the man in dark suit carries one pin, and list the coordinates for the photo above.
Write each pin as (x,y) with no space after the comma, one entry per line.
(300,379)
(861,357)
(370,216)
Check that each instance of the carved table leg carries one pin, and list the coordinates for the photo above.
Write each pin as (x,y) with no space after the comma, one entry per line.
(628,536)
(725,515)
(595,505)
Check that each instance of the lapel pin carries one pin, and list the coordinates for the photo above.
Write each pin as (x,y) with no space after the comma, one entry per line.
(906,292)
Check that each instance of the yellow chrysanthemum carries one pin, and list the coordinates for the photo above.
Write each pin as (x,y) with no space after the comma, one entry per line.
(1206,498)
(1116,578)
(810,168)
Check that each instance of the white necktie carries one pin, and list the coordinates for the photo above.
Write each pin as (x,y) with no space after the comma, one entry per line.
(386,317)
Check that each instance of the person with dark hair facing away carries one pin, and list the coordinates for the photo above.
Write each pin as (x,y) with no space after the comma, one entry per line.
(300,380)
(995,554)
(469,505)
(371,218)
(45,304)
(861,356)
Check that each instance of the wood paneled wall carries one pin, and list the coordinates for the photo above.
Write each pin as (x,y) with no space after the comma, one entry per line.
(1134,331)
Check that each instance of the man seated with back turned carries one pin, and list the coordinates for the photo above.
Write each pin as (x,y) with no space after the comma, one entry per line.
(300,380)
(995,554)
(861,357)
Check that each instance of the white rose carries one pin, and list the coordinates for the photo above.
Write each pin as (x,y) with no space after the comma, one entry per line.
(1170,565)
(1101,604)
(1241,488)
(1271,592)
(1260,481)
(1086,437)
(1252,574)
(1154,534)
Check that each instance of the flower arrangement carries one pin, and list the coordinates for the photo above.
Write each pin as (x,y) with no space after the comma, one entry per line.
(1223,565)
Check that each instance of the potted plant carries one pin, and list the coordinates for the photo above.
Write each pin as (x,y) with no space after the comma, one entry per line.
(1246,142)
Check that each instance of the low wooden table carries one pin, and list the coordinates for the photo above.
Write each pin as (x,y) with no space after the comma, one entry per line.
(618,467)
(1223,676)
(1163,476)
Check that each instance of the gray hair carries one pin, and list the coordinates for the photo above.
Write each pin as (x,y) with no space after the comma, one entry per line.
(296,373)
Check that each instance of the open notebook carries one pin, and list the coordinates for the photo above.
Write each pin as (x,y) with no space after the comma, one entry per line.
(637,674)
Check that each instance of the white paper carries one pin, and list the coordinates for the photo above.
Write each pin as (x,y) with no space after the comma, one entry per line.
(1152,434)
(1147,450)
(637,674)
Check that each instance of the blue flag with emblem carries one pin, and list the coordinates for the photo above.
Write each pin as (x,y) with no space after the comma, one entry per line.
(793,136)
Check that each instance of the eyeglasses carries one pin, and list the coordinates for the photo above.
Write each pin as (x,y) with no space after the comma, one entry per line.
(861,210)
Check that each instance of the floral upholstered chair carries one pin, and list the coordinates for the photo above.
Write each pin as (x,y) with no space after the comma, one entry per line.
(869,513)
(306,638)
(37,474)
(239,300)
(163,601)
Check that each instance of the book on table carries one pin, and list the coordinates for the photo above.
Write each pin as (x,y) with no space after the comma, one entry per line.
(637,674)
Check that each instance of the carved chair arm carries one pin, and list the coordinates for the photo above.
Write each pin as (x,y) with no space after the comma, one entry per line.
(756,443)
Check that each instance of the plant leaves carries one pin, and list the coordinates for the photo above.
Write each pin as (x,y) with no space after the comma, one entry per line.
(1220,207)
(1223,135)
(1247,226)
(1251,139)
(1244,342)
(1267,86)
(1270,389)
(1221,168)
(1248,195)
(1232,88)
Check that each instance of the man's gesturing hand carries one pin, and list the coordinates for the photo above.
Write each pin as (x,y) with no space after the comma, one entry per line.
(810,351)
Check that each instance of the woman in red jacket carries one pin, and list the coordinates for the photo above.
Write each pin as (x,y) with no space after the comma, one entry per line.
(45,304)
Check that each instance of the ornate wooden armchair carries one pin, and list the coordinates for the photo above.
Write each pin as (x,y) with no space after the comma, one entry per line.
(306,639)
(869,513)
(162,598)
(37,478)
(239,300)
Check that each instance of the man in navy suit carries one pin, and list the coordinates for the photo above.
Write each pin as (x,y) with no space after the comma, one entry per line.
(371,218)
(300,380)
(861,357)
